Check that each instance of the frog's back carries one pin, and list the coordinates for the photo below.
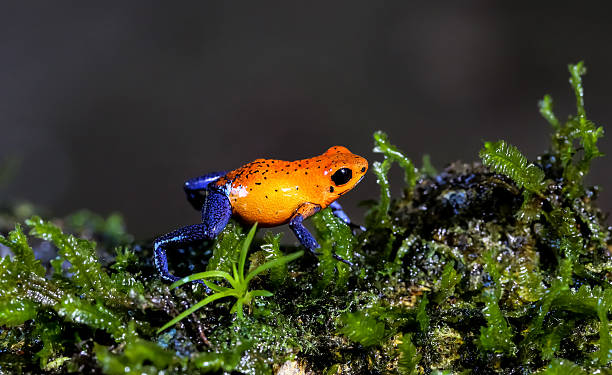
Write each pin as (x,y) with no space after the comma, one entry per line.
(269,191)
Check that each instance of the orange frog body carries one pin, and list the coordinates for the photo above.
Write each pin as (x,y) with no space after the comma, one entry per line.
(269,192)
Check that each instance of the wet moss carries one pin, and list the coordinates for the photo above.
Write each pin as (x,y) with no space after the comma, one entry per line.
(496,267)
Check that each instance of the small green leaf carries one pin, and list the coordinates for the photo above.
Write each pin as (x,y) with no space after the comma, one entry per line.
(24,256)
(362,328)
(427,169)
(421,314)
(273,263)
(497,335)
(380,215)
(206,275)
(449,279)
(261,293)
(559,366)
(244,251)
(272,251)
(87,271)
(225,248)
(546,110)
(202,303)
(382,145)
(508,160)
(408,357)
(576,73)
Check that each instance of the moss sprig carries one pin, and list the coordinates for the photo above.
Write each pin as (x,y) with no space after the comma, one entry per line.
(238,282)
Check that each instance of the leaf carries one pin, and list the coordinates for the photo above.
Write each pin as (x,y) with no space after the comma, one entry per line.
(272,251)
(551,343)
(508,160)
(138,357)
(391,152)
(24,256)
(449,279)
(576,128)
(546,110)
(50,335)
(226,360)
(202,303)
(427,169)
(246,243)
(225,248)
(421,314)
(261,293)
(408,357)
(604,354)
(80,311)
(362,328)
(497,335)
(559,366)
(273,263)
(16,311)
(206,275)
(87,271)
(334,236)
(379,215)
(558,287)
(568,235)
(576,73)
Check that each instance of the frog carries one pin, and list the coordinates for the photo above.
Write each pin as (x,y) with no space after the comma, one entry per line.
(268,192)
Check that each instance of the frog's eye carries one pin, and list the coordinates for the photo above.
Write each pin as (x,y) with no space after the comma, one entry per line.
(342,176)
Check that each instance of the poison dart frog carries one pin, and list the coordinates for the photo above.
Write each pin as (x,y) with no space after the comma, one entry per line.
(269,192)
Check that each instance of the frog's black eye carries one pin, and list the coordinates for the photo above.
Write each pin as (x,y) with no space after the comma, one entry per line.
(342,176)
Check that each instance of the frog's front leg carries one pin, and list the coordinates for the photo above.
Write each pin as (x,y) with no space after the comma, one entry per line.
(339,213)
(296,223)
(194,186)
(216,212)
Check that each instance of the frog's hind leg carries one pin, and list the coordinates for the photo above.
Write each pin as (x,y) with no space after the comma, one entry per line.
(296,223)
(215,215)
(194,186)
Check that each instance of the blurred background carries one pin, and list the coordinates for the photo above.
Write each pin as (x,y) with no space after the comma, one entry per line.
(112,106)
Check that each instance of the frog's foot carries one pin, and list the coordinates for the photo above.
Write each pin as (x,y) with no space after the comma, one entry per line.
(215,215)
(340,214)
(173,240)
(303,235)
(338,257)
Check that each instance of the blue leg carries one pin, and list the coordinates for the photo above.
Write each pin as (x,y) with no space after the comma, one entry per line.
(339,212)
(194,186)
(215,215)
(303,235)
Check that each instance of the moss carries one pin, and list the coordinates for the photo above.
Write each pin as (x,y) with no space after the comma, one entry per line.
(501,267)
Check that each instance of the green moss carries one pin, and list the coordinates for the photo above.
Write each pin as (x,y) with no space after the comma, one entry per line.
(408,357)
(562,367)
(449,279)
(507,159)
(272,251)
(335,237)
(421,314)
(501,267)
(362,328)
(238,282)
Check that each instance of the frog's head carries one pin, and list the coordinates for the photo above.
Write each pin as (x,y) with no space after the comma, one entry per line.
(344,170)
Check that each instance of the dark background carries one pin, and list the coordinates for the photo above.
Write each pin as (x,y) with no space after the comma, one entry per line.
(112,106)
